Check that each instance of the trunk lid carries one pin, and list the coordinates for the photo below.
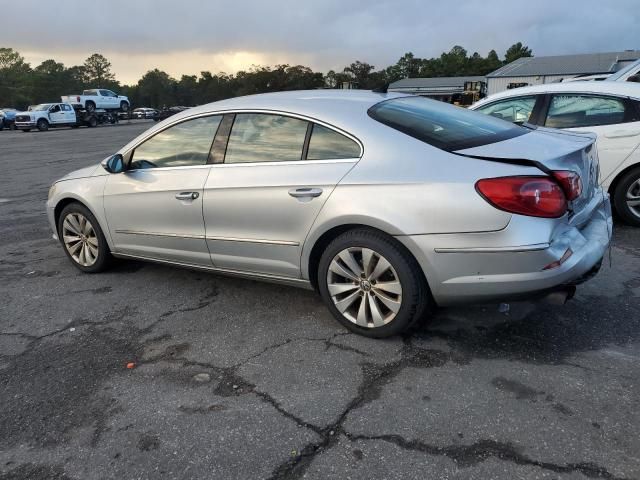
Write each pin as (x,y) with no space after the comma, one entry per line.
(549,150)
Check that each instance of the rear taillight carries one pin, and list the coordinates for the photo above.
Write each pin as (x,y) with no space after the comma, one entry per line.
(532,196)
(570,183)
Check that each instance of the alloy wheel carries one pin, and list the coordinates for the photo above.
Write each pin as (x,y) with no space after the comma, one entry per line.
(633,197)
(364,287)
(80,239)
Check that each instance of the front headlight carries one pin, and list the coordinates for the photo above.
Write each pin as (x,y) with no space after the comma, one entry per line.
(52,191)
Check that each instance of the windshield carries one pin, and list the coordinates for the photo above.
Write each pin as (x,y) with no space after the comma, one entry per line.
(443,125)
(42,106)
(620,73)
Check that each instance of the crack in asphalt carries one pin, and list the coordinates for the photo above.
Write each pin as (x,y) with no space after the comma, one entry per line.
(374,378)
(470,455)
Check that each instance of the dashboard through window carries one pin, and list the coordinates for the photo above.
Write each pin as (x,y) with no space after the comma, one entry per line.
(184,144)
(516,110)
(567,111)
(260,137)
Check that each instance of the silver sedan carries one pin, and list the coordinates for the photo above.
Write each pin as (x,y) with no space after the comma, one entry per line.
(387,205)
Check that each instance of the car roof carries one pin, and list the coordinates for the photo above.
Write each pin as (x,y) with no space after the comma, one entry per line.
(330,105)
(626,89)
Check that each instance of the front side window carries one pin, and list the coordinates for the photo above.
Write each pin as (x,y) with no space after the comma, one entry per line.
(442,125)
(185,144)
(516,110)
(567,111)
(66,108)
(328,144)
(259,137)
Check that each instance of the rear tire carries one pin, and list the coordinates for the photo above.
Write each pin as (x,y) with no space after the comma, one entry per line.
(353,288)
(42,125)
(90,107)
(83,241)
(626,197)
(93,122)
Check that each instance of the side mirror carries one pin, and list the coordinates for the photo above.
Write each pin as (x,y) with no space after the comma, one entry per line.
(114,164)
(634,78)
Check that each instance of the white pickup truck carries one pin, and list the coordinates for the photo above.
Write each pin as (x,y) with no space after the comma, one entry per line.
(98,98)
(48,115)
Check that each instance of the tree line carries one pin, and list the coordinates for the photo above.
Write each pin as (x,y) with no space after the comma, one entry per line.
(22,85)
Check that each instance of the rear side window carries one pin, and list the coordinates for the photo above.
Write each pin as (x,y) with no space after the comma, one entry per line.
(328,144)
(442,125)
(516,110)
(566,111)
(260,137)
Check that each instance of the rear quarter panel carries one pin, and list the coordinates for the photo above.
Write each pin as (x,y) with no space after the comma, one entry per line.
(403,186)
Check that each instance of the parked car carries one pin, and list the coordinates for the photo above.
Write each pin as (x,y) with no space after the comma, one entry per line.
(48,115)
(8,118)
(609,109)
(386,204)
(98,98)
(144,112)
(168,112)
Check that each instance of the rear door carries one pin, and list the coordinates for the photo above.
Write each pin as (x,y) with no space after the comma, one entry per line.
(614,119)
(260,203)
(69,114)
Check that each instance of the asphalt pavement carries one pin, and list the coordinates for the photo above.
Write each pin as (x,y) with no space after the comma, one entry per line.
(235,379)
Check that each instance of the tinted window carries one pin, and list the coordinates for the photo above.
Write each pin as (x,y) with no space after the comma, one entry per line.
(329,144)
(517,110)
(567,111)
(442,125)
(187,143)
(257,137)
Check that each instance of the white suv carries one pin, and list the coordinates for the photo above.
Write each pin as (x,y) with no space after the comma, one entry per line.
(609,109)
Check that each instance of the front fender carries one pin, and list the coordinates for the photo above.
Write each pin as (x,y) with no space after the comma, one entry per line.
(88,191)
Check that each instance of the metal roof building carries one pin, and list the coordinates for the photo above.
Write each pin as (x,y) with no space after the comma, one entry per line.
(448,89)
(538,70)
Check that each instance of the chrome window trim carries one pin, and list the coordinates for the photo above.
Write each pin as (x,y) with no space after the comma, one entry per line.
(159,234)
(288,162)
(251,110)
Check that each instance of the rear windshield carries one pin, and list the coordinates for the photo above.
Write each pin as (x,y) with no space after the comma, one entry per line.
(442,125)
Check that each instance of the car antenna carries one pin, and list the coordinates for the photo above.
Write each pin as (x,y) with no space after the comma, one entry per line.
(382,88)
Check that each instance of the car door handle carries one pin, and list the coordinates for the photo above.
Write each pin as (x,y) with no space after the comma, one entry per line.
(187,195)
(622,133)
(305,192)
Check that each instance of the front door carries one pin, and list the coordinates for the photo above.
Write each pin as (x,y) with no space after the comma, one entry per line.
(259,205)
(56,114)
(154,208)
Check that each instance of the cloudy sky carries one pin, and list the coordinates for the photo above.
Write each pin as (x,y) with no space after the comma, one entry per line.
(188,36)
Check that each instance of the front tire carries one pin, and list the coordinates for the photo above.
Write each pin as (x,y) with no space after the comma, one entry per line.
(82,239)
(372,285)
(42,125)
(626,197)
(124,106)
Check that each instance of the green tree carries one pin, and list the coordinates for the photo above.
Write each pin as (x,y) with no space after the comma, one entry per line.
(515,51)
(156,89)
(97,72)
(15,90)
(360,73)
